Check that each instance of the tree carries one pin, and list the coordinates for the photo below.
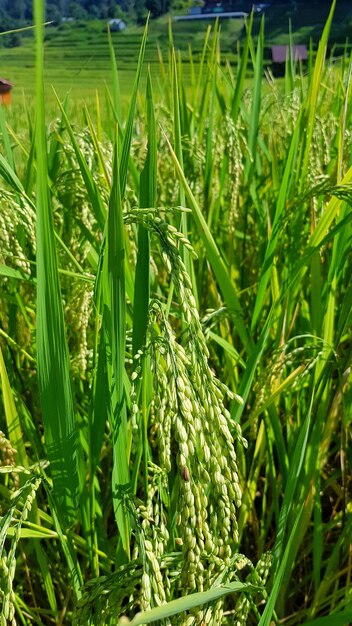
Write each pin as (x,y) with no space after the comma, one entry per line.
(157,7)
(53,14)
(94,12)
(77,11)
(17,9)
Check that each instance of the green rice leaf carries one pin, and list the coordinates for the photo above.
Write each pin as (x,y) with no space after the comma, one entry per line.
(313,95)
(147,199)
(67,548)
(12,418)
(9,272)
(293,483)
(285,563)
(341,618)
(255,112)
(190,602)
(115,80)
(268,263)
(115,327)
(242,71)
(52,353)
(10,176)
(90,186)
(127,139)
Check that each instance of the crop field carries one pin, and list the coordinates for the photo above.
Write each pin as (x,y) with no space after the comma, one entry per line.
(176,338)
(77,58)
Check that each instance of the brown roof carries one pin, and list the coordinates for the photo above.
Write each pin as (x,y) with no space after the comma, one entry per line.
(280,53)
(5,85)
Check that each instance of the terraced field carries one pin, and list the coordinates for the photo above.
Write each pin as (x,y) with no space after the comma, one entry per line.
(77,55)
(77,58)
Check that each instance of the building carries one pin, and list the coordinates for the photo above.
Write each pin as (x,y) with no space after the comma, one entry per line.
(116,25)
(280,54)
(227,6)
(5,91)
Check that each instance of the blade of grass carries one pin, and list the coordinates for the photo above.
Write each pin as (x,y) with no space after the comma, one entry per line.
(93,134)
(52,353)
(255,112)
(55,148)
(89,183)
(11,415)
(310,105)
(179,152)
(267,267)
(29,181)
(67,548)
(190,602)
(318,535)
(292,485)
(148,188)
(285,565)
(127,139)
(115,327)
(209,152)
(147,199)
(242,72)
(341,618)
(9,272)
(10,176)
(115,80)
(44,566)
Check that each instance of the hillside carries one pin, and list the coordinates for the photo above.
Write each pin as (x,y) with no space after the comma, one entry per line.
(77,53)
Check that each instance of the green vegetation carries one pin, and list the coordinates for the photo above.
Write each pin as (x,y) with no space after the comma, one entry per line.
(77,57)
(175,344)
(76,9)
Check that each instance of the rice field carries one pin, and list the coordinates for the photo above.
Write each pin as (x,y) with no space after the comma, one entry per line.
(175,345)
(77,58)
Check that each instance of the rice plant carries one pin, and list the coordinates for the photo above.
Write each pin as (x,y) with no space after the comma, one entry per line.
(175,347)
